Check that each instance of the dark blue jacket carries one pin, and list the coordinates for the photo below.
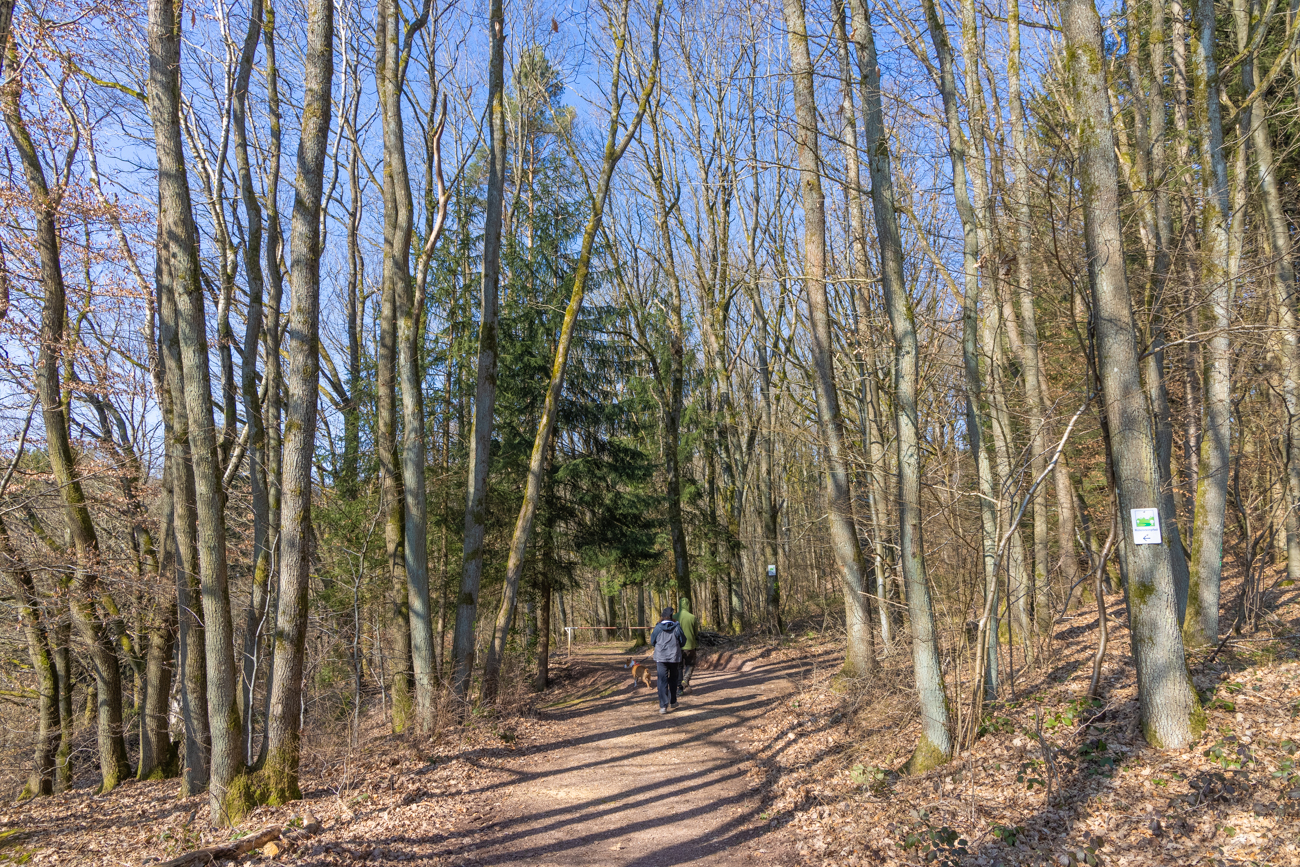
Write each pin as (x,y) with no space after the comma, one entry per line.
(672,649)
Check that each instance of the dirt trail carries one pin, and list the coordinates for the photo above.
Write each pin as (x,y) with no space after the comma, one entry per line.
(628,786)
(599,778)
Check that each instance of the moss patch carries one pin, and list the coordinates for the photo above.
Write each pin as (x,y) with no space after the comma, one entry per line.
(926,757)
(242,795)
(277,782)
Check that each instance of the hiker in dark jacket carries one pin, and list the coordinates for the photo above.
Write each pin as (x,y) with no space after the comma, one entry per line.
(667,640)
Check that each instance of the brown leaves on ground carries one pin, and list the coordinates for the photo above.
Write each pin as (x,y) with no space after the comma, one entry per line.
(1053,780)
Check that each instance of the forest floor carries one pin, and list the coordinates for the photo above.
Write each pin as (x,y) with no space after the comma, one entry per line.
(775,758)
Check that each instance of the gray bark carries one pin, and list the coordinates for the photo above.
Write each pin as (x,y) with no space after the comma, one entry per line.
(936,746)
(283,727)
(860,657)
(393,47)
(176,223)
(1167,703)
(255,613)
(485,394)
(1201,625)
(45,204)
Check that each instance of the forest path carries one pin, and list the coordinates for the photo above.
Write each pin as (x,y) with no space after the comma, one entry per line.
(627,786)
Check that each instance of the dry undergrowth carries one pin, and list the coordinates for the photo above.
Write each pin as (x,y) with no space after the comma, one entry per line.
(1054,779)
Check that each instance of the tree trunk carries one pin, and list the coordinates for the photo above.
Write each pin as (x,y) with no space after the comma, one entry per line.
(1288,331)
(976,423)
(615,147)
(860,658)
(176,221)
(255,614)
(1035,380)
(192,660)
(1201,625)
(41,780)
(157,753)
(279,775)
(112,746)
(391,492)
(935,747)
(1169,709)
(485,394)
(397,270)
(544,637)
(271,330)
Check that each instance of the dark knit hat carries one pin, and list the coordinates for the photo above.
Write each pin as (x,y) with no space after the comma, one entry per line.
(667,613)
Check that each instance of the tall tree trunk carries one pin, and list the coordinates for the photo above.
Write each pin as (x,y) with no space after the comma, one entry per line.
(283,727)
(392,496)
(112,746)
(397,269)
(350,472)
(976,422)
(766,472)
(861,271)
(935,746)
(271,331)
(255,613)
(860,658)
(1035,380)
(176,220)
(1201,626)
(1285,299)
(192,660)
(1169,708)
(485,393)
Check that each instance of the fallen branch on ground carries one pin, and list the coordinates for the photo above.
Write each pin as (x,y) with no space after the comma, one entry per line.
(238,848)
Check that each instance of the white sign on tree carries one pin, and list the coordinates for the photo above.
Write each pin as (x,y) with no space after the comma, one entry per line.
(1146,526)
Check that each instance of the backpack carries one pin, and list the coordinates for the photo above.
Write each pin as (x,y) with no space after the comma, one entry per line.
(667,642)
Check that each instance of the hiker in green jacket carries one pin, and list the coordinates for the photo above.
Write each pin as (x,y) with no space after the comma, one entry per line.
(686,620)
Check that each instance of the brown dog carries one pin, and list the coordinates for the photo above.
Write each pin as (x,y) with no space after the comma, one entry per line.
(641,673)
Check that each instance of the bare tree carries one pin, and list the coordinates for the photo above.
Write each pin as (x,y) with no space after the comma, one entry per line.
(488,354)
(279,775)
(1167,703)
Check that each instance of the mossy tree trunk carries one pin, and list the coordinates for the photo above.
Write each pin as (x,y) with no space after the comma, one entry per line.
(1169,710)
(255,613)
(860,658)
(278,778)
(46,205)
(41,779)
(935,746)
(485,394)
(179,249)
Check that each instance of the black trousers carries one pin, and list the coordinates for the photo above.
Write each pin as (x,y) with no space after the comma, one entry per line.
(668,680)
(688,666)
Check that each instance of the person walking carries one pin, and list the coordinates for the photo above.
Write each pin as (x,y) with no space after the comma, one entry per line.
(686,620)
(667,640)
